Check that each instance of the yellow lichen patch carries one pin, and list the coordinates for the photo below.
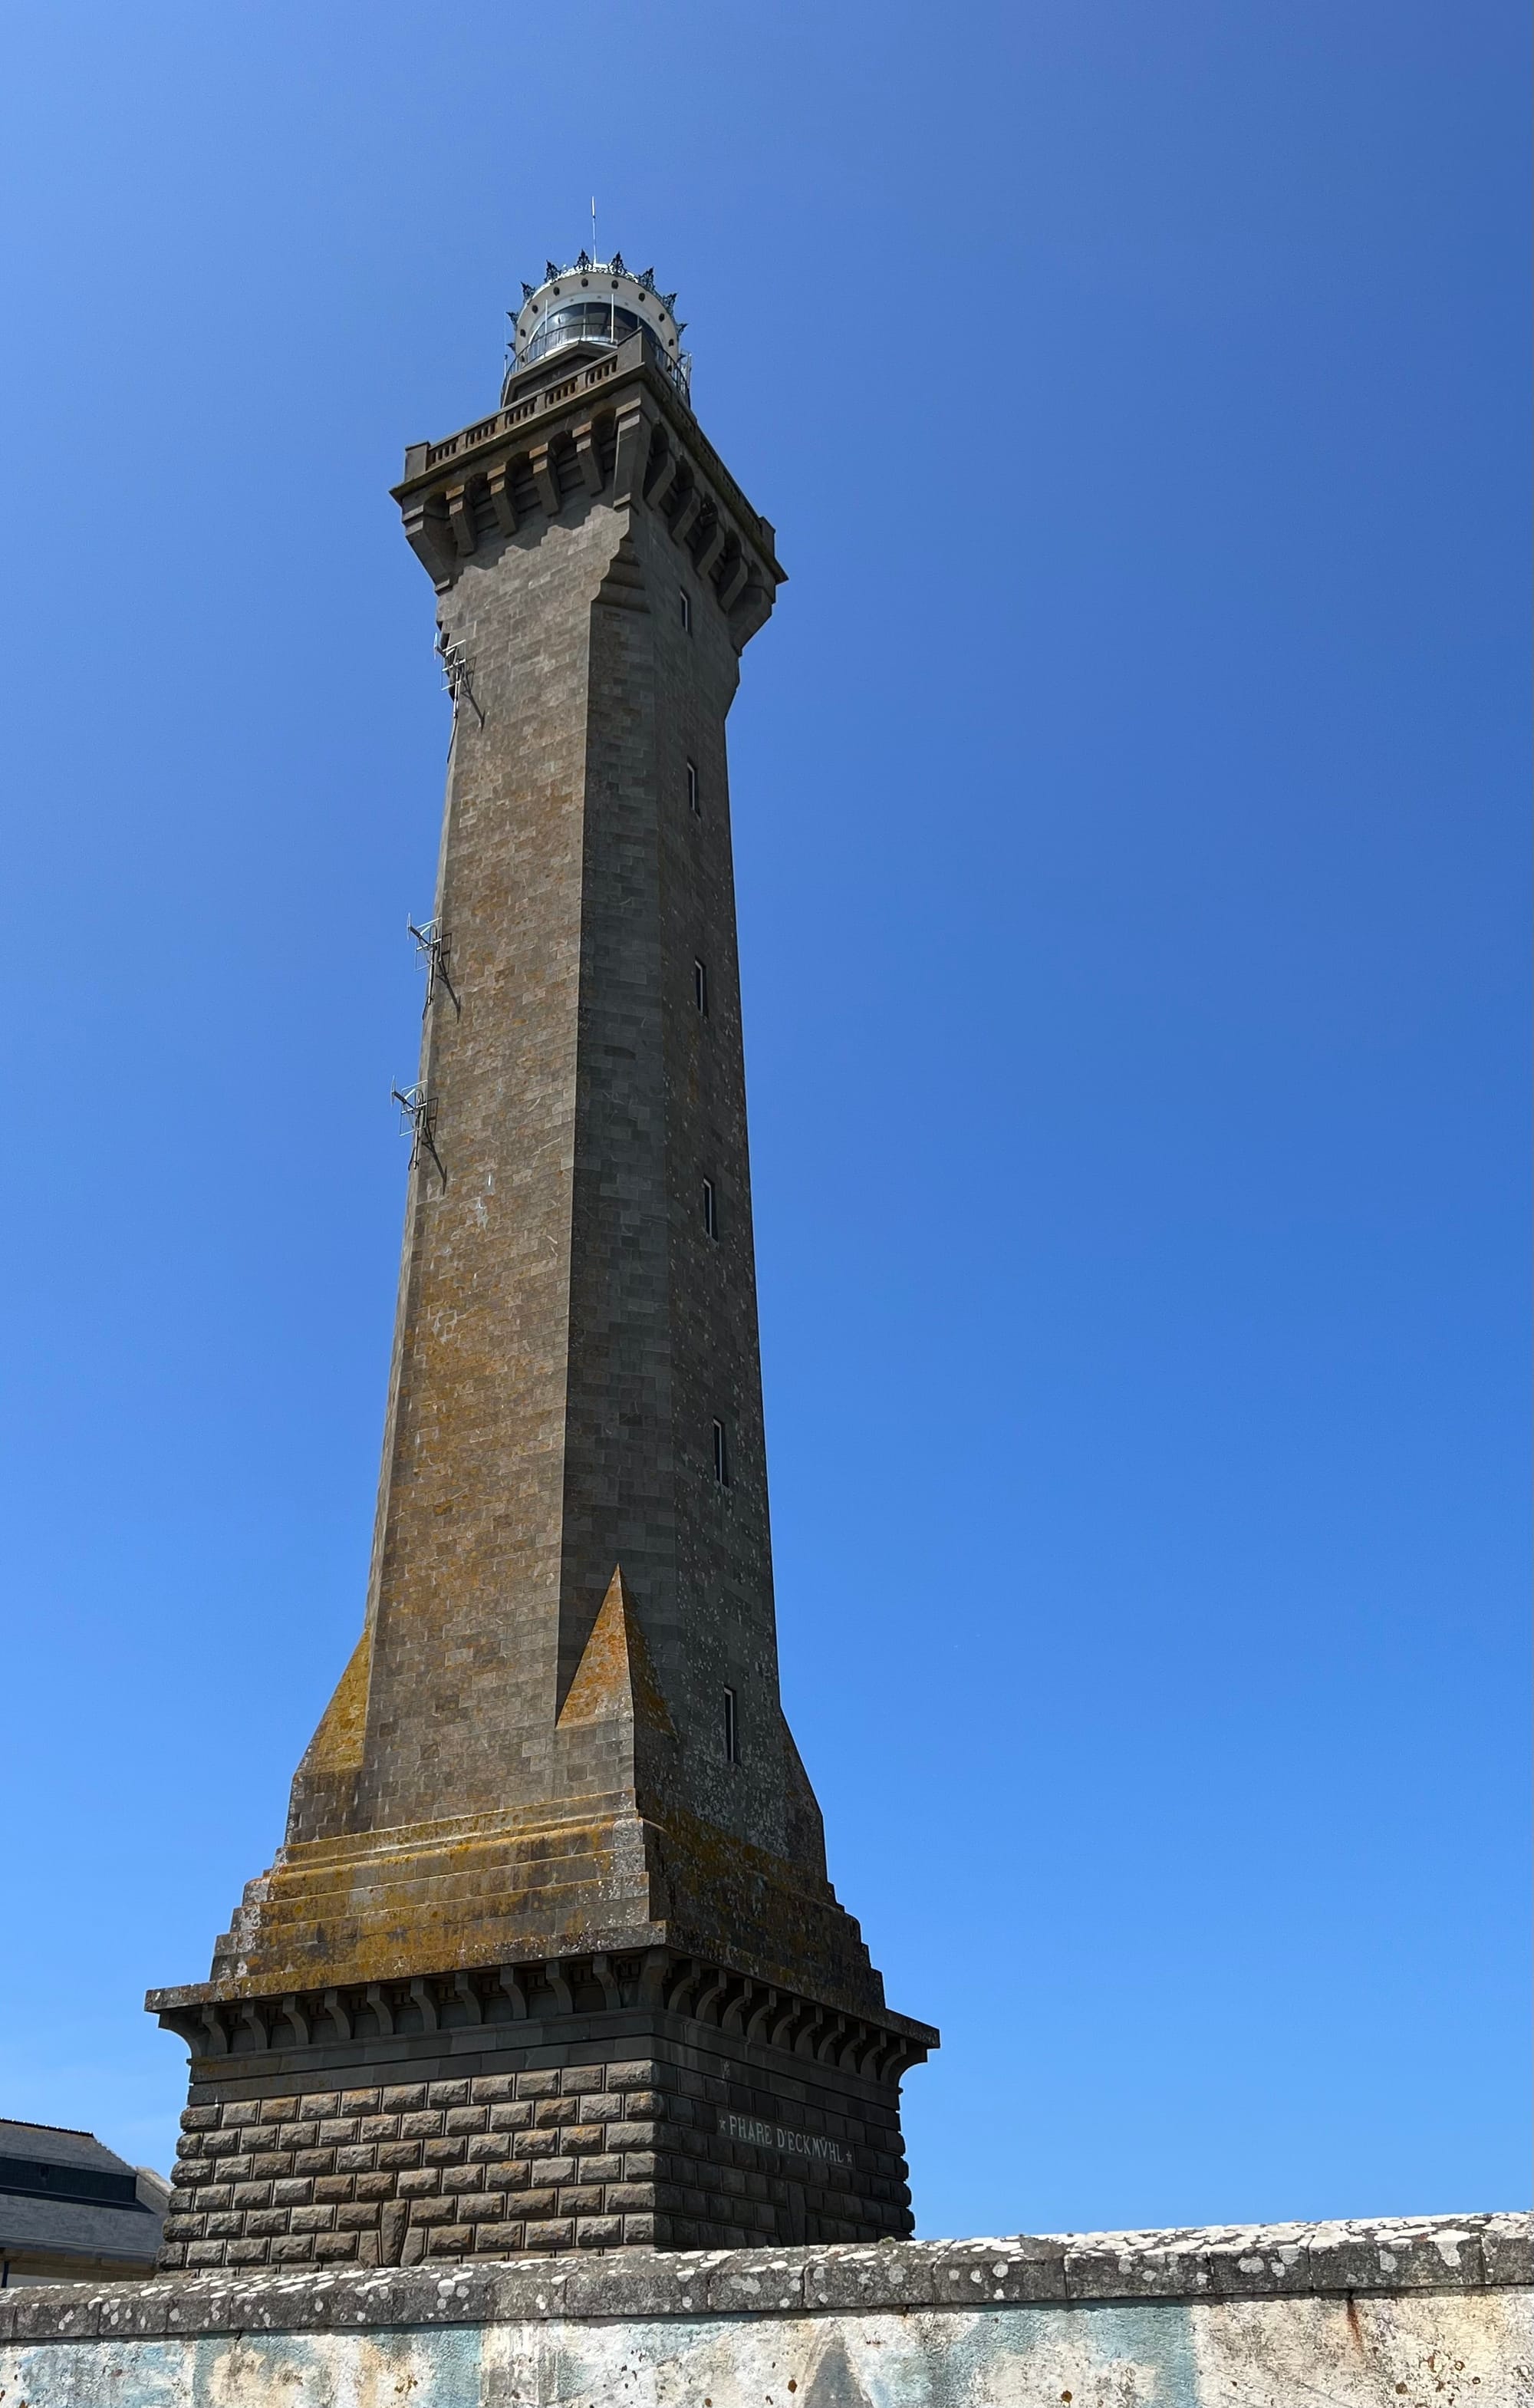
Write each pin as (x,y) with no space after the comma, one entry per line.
(615,1676)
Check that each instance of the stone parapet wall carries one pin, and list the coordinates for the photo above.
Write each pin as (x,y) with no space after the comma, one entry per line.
(1431,2313)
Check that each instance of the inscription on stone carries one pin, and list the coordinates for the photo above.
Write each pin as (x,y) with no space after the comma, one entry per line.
(776,2136)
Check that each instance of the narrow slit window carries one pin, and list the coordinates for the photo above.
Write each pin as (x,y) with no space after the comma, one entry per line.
(732,1728)
(722,1456)
(686,611)
(693,803)
(700,988)
(711,1208)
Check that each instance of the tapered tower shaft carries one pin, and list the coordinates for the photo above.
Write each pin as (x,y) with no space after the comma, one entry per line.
(553,1810)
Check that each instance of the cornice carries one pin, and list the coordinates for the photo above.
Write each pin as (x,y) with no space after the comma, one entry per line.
(612,427)
(507,2004)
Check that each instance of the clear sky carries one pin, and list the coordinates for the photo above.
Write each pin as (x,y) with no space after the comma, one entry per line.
(1129,804)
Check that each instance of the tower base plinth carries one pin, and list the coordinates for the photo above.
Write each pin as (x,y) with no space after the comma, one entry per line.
(525,2108)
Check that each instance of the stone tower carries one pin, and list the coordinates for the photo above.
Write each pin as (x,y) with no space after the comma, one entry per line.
(549,1959)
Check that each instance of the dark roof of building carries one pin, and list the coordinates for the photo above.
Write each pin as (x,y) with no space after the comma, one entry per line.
(66,2193)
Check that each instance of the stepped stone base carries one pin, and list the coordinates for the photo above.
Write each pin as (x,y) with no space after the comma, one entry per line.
(580,2131)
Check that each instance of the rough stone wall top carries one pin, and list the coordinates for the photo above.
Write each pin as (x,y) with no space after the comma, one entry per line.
(1385,2256)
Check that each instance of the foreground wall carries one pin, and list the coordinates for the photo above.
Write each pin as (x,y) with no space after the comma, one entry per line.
(1431,2313)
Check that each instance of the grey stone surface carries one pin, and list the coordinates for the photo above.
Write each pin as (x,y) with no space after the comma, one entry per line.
(1013,2323)
(1392,2255)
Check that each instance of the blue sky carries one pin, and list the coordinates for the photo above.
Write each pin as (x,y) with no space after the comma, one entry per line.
(1131,837)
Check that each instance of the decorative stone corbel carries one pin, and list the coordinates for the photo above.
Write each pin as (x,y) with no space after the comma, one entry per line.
(501,501)
(546,478)
(427,532)
(659,489)
(293,2007)
(687,517)
(732,581)
(653,1977)
(751,611)
(638,420)
(713,544)
(588,456)
(460,500)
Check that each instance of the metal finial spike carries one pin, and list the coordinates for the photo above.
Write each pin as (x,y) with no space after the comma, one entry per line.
(581,261)
(549,271)
(527,290)
(647,278)
(616,261)
(670,300)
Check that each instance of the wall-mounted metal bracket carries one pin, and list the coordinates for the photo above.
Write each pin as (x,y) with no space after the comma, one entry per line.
(434,948)
(458,674)
(417,1113)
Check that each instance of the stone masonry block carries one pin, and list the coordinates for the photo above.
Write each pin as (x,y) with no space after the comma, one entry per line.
(551,2233)
(551,2112)
(598,2233)
(451,2241)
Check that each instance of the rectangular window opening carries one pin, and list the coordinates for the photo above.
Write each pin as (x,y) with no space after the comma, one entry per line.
(711,1208)
(694,804)
(700,988)
(732,1729)
(722,1456)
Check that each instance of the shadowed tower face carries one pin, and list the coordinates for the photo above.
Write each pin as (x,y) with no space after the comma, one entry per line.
(549,1959)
